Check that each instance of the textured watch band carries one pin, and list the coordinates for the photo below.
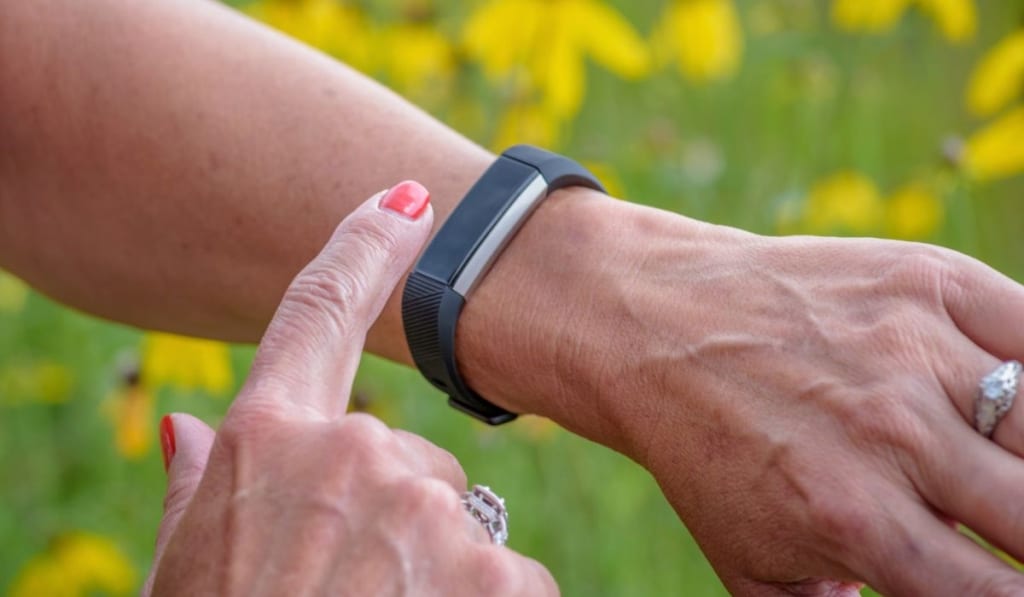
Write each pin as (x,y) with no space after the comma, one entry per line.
(460,255)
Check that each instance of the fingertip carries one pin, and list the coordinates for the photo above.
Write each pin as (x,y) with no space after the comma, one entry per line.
(408,199)
(189,439)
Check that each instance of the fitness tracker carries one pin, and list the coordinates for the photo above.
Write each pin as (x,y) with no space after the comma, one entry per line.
(463,251)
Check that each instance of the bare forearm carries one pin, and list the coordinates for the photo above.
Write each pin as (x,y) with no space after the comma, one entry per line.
(172,164)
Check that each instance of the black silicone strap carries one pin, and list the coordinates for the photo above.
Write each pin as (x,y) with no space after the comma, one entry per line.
(462,252)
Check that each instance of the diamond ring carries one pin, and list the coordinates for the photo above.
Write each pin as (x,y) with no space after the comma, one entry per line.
(489,510)
(995,396)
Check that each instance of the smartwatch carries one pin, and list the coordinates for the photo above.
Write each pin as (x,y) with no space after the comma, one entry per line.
(462,252)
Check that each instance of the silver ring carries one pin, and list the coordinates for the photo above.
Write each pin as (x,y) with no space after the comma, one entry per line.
(489,510)
(996,393)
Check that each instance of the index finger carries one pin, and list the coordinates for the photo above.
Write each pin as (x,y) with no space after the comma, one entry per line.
(308,356)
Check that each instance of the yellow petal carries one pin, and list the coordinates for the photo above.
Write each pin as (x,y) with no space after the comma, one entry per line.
(331,26)
(846,201)
(76,564)
(997,151)
(489,37)
(563,77)
(998,78)
(415,56)
(527,124)
(703,38)
(913,212)
(95,563)
(186,363)
(42,576)
(956,19)
(868,16)
(609,38)
(130,410)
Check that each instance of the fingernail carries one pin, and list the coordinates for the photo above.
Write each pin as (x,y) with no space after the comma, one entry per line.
(408,198)
(167,440)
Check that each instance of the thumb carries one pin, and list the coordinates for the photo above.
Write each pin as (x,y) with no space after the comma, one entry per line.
(186,443)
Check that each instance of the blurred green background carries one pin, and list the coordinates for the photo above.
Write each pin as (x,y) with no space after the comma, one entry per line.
(896,118)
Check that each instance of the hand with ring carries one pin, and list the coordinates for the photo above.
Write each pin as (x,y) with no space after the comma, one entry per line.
(817,410)
(292,496)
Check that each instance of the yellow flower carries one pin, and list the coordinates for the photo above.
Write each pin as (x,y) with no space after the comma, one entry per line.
(957,20)
(42,576)
(130,409)
(998,78)
(186,363)
(76,565)
(44,381)
(913,212)
(13,293)
(868,16)
(846,201)
(703,38)
(548,46)
(996,151)
(339,30)
(414,57)
(527,123)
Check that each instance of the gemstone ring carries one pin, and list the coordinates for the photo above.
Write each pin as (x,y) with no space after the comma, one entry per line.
(489,510)
(995,396)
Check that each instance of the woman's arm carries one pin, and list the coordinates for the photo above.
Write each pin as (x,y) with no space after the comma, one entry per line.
(804,403)
(172,164)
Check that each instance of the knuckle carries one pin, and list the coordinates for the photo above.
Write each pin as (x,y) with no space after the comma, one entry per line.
(364,435)
(331,294)
(242,425)
(445,463)
(252,418)
(839,520)
(919,271)
(884,420)
(372,237)
(426,497)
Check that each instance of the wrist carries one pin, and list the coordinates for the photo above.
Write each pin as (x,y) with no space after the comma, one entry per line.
(512,331)
(555,328)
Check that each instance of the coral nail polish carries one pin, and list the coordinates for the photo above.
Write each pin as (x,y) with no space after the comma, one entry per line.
(408,198)
(167,440)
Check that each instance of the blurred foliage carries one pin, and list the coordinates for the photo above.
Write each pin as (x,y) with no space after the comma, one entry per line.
(900,118)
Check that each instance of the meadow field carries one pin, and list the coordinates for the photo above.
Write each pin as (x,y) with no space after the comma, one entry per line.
(886,118)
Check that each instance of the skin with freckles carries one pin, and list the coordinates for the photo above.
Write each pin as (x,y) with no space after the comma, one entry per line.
(804,403)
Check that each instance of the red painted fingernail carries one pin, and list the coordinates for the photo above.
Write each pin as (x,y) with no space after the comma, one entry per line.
(408,198)
(167,440)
